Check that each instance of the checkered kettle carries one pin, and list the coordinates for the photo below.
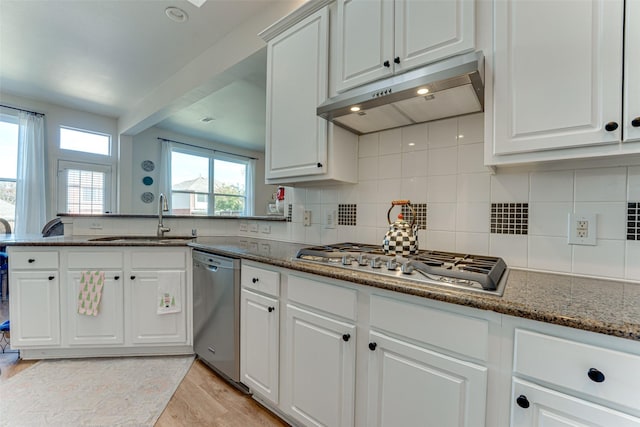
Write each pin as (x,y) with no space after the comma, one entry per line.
(402,237)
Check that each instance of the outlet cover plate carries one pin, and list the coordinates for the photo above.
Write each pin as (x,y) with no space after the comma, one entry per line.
(582,229)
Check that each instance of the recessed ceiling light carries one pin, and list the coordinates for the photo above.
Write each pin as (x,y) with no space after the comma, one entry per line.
(354,109)
(207,119)
(423,91)
(176,14)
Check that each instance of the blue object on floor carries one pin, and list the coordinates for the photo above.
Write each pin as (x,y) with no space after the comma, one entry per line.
(5,326)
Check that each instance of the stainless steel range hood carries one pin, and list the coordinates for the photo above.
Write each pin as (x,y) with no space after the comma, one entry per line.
(451,87)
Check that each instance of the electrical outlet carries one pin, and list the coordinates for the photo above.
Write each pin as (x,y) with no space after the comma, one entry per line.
(307,218)
(244,226)
(265,228)
(253,227)
(96,226)
(582,229)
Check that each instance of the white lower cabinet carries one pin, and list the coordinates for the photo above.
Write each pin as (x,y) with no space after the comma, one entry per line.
(409,384)
(35,308)
(147,325)
(259,345)
(107,328)
(321,362)
(45,287)
(537,406)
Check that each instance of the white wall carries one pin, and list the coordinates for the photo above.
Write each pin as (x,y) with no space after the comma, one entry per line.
(445,171)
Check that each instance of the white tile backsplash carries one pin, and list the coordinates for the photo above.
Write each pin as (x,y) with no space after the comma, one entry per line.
(549,253)
(611,218)
(443,161)
(443,133)
(368,145)
(634,184)
(632,265)
(554,186)
(606,259)
(390,142)
(367,168)
(390,166)
(415,163)
(471,129)
(441,216)
(473,243)
(474,187)
(440,240)
(510,187)
(471,158)
(442,188)
(512,248)
(473,217)
(601,185)
(415,138)
(549,218)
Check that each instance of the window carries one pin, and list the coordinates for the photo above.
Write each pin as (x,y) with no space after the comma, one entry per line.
(8,167)
(85,141)
(83,188)
(208,183)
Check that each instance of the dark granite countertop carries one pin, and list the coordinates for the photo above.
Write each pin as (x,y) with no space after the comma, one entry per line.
(254,217)
(609,307)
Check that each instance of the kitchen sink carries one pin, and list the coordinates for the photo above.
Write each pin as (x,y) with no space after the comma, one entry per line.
(144,239)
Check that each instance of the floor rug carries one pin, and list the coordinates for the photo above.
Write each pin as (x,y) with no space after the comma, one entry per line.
(127,391)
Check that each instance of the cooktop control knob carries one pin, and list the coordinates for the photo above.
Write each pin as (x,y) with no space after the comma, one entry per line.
(407,267)
(392,264)
(375,262)
(346,260)
(363,260)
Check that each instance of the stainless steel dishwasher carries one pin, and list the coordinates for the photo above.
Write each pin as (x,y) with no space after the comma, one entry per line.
(216,313)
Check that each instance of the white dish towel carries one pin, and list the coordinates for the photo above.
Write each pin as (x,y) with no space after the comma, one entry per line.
(91,283)
(169,292)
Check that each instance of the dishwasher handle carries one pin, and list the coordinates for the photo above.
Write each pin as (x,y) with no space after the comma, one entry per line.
(212,268)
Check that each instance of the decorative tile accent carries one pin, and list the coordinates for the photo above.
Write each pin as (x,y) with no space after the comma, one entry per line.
(633,221)
(347,214)
(289,212)
(421,214)
(510,218)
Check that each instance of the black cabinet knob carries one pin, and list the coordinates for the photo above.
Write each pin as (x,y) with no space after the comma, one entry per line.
(319,164)
(51,277)
(386,64)
(396,59)
(346,337)
(611,126)
(271,309)
(372,346)
(522,401)
(255,280)
(116,277)
(595,375)
(636,122)
(133,277)
(31,260)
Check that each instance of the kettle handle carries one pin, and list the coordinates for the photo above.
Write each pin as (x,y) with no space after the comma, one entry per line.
(401,203)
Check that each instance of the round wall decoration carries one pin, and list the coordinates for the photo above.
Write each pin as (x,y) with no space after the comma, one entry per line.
(148,165)
(147,180)
(147,197)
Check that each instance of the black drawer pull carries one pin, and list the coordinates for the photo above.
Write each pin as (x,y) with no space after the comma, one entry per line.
(396,59)
(271,309)
(31,260)
(595,375)
(523,402)
(346,337)
(636,122)
(611,126)
(386,64)
(51,277)
(372,346)
(255,280)
(116,277)
(133,277)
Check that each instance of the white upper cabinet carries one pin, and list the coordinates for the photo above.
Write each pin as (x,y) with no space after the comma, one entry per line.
(299,145)
(558,81)
(377,38)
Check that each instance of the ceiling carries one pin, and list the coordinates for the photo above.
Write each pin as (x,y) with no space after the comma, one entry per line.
(105,56)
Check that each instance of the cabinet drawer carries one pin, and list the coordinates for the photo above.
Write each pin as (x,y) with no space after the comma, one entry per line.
(33,260)
(455,332)
(567,364)
(261,280)
(158,259)
(333,299)
(95,260)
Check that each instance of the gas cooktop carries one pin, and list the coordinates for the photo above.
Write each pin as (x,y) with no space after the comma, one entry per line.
(479,273)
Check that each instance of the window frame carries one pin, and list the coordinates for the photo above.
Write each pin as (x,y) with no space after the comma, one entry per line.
(212,156)
(64,165)
(13,119)
(80,152)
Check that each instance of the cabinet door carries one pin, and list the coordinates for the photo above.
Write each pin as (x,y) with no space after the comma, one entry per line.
(450,31)
(147,326)
(557,74)
(538,406)
(320,367)
(259,345)
(632,71)
(35,308)
(410,384)
(364,42)
(105,328)
(296,138)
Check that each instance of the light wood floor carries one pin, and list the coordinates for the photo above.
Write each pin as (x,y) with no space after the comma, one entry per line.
(202,399)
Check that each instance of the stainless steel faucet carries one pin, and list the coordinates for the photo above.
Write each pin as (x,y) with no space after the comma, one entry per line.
(163,206)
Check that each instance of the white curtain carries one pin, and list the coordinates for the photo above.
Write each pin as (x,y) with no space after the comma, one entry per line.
(30,183)
(251,201)
(164,184)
